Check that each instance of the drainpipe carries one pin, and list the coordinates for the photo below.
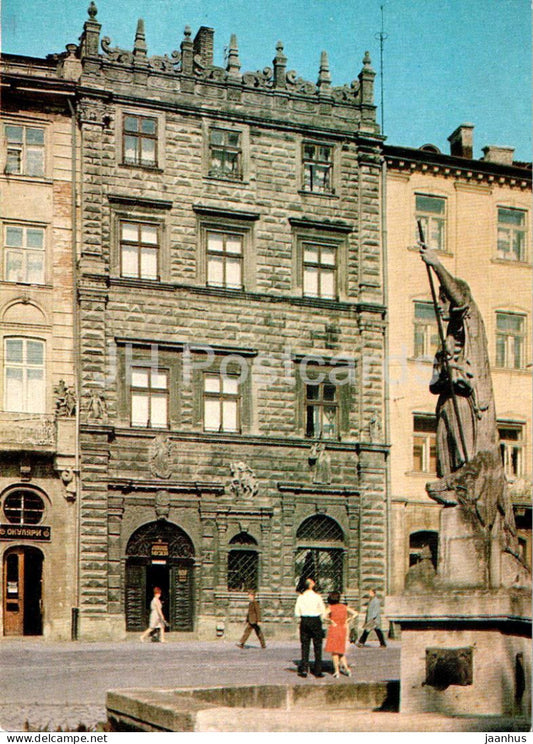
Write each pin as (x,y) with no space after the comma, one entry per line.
(75,341)
(386,384)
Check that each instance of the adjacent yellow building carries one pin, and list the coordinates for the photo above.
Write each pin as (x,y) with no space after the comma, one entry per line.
(38,406)
(477,214)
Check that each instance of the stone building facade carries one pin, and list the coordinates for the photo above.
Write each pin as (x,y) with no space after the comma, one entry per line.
(477,213)
(231,331)
(38,467)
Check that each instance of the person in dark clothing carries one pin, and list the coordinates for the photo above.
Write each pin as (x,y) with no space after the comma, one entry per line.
(310,610)
(253,618)
(372,621)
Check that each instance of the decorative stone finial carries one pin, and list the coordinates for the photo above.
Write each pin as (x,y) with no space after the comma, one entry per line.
(280,67)
(187,52)
(324,78)
(139,46)
(367,62)
(234,63)
(92,10)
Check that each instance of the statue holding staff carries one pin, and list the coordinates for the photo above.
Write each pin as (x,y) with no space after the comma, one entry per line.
(469,465)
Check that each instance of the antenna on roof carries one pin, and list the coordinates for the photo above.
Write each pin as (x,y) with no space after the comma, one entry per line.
(381,36)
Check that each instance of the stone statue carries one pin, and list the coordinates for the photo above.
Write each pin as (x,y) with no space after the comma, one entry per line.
(96,407)
(322,462)
(374,429)
(469,464)
(161,457)
(243,482)
(65,400)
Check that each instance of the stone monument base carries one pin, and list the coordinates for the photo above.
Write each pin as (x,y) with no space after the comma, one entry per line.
(464,652)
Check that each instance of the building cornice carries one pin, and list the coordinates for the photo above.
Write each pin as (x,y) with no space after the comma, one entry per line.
(410,160)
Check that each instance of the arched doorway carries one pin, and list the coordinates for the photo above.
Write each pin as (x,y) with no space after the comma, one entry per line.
(22,591)
(160,554)
(320,554)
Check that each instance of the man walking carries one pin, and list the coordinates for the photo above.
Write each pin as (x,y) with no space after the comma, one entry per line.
(372,621)
(310,609)
(253,618)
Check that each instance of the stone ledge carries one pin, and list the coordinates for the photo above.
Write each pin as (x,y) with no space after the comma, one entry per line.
(178,709)
(460,606)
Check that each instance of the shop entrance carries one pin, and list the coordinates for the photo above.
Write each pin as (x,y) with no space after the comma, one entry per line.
(160,554)
(22,591)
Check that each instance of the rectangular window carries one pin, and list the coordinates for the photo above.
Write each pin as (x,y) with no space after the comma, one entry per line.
(511,234)
(25,150)
(140,140)
(224,259)
(321,410)
(222,403)
(318,168)
(426,337)
(139,250)
(431,211)
(24,376)
(149,397)
(511,448)
(319,271)
(225,153)
(425,444)
(510,340)
(24,254)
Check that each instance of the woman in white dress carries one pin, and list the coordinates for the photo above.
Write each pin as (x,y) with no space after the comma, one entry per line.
(157,619)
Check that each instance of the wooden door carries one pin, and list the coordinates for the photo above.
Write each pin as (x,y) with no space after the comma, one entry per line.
(13,592)
(181,596)
(136,610)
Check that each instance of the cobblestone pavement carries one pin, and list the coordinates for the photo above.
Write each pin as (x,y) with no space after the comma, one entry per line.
(48,685)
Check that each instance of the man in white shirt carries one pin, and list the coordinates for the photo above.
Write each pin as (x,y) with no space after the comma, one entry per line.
(310,610)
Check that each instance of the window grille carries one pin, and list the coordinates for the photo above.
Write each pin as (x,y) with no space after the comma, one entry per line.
(320,529)
(325,566)
(243,538)
(243,570)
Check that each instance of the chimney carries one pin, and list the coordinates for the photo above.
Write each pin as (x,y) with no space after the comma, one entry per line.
(495,154)
(203,45)
(462,141)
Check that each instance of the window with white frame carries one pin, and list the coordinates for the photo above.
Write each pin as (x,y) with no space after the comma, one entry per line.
(431,212)
(317,168)
(222,403)
(25,150)
(139,140)
(319,270)
(224,259)
(511,448)
(149,397)
(139,250)
(24,254)
(424,444)
(24,375)
(511,234)
(426,336)
(510,340)
(225,153)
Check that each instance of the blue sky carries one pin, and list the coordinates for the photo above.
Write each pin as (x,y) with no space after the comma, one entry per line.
(446,62)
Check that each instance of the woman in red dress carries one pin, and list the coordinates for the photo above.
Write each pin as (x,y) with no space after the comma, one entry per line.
(339,616)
